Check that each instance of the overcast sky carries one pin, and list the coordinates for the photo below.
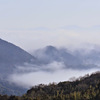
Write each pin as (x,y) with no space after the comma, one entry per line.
(32,24)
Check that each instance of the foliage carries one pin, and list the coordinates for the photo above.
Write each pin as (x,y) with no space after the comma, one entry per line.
(84,88)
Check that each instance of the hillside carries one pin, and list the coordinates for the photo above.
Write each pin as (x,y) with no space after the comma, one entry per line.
(84,88)
(74,60)
(11,56)
(13,59)
(7,88)
(50,54)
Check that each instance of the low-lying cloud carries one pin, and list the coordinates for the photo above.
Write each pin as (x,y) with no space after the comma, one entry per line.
(45,74)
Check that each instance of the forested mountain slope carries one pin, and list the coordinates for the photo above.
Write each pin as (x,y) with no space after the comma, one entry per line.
(84,88)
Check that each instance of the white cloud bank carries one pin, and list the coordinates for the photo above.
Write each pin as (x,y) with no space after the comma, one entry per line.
(57,74)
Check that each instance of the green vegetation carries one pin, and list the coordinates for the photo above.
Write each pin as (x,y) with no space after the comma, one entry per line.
(84,88)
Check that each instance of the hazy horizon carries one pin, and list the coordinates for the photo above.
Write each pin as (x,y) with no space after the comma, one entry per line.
(33,24)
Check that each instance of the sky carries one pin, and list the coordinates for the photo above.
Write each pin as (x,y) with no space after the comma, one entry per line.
(33,24)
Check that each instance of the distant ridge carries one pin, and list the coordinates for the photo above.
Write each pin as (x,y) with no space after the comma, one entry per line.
(76,59)
(50,54)
(12,55)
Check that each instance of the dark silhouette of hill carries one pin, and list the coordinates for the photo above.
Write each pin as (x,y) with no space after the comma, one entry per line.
(11,55)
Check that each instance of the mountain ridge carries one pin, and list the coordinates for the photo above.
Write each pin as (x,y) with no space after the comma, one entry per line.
(11,56)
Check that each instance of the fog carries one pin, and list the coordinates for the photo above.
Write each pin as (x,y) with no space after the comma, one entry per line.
(45,74)
(60,37)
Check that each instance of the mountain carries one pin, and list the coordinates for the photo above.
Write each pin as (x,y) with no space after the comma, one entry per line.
(16,61)
(83,88)
(91,57)
(51,54)
(11,56)
(7,88)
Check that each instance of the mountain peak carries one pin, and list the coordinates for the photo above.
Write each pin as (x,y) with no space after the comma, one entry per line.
(50,49)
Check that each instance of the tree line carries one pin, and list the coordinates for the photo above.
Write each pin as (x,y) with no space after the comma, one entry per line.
(83,88)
